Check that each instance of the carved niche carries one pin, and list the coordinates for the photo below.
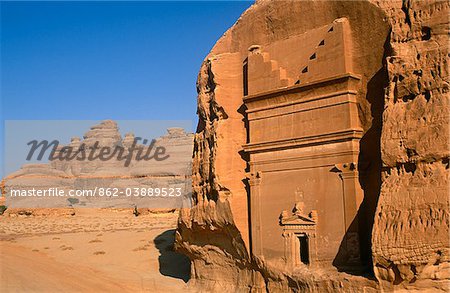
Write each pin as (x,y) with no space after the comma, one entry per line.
(299,233)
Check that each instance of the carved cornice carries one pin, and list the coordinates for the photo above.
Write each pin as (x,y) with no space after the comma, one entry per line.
(326,138)
(305,100)
(299,228)
(309,157)
(301,87)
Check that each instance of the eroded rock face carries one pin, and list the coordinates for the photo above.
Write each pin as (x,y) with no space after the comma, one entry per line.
(399,51)
(410,240)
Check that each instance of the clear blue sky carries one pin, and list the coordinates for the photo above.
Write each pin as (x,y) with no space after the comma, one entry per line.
(106,60)
(96,60)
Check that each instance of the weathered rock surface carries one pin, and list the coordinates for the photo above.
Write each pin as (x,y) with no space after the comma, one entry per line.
(400,50)
(410,240)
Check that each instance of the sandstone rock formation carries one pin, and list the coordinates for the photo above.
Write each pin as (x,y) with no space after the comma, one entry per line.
(88,174)
(410,240)
(387,61)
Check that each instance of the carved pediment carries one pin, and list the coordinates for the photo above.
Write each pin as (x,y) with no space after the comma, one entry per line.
(297,220)
(297,216)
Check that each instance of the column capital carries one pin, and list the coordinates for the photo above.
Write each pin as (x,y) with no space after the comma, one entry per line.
(254,178)
(346,167)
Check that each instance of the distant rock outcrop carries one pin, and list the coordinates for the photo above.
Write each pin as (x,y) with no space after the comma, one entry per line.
(112,173)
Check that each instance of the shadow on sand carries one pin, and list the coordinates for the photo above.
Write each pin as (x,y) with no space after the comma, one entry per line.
(171,263)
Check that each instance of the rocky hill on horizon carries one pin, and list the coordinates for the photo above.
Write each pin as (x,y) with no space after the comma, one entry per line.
(112,174)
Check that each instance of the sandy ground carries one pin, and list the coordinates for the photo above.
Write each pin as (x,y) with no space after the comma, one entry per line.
(93,251)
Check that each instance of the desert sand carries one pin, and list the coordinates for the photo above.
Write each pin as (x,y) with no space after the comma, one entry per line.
(95,250)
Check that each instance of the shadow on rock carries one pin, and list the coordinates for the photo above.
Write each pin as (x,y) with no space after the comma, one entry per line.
(171,263)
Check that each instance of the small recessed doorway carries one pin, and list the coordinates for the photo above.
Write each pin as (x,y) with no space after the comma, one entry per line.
(304,249)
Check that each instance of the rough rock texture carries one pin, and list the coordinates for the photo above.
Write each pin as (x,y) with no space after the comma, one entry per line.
(410,240)
(401,50)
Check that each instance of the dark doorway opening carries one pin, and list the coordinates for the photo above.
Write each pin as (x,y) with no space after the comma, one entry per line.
(304,249)
(245,77)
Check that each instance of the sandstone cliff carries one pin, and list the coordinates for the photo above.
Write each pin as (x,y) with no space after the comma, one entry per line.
(400,50)
(410,240)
